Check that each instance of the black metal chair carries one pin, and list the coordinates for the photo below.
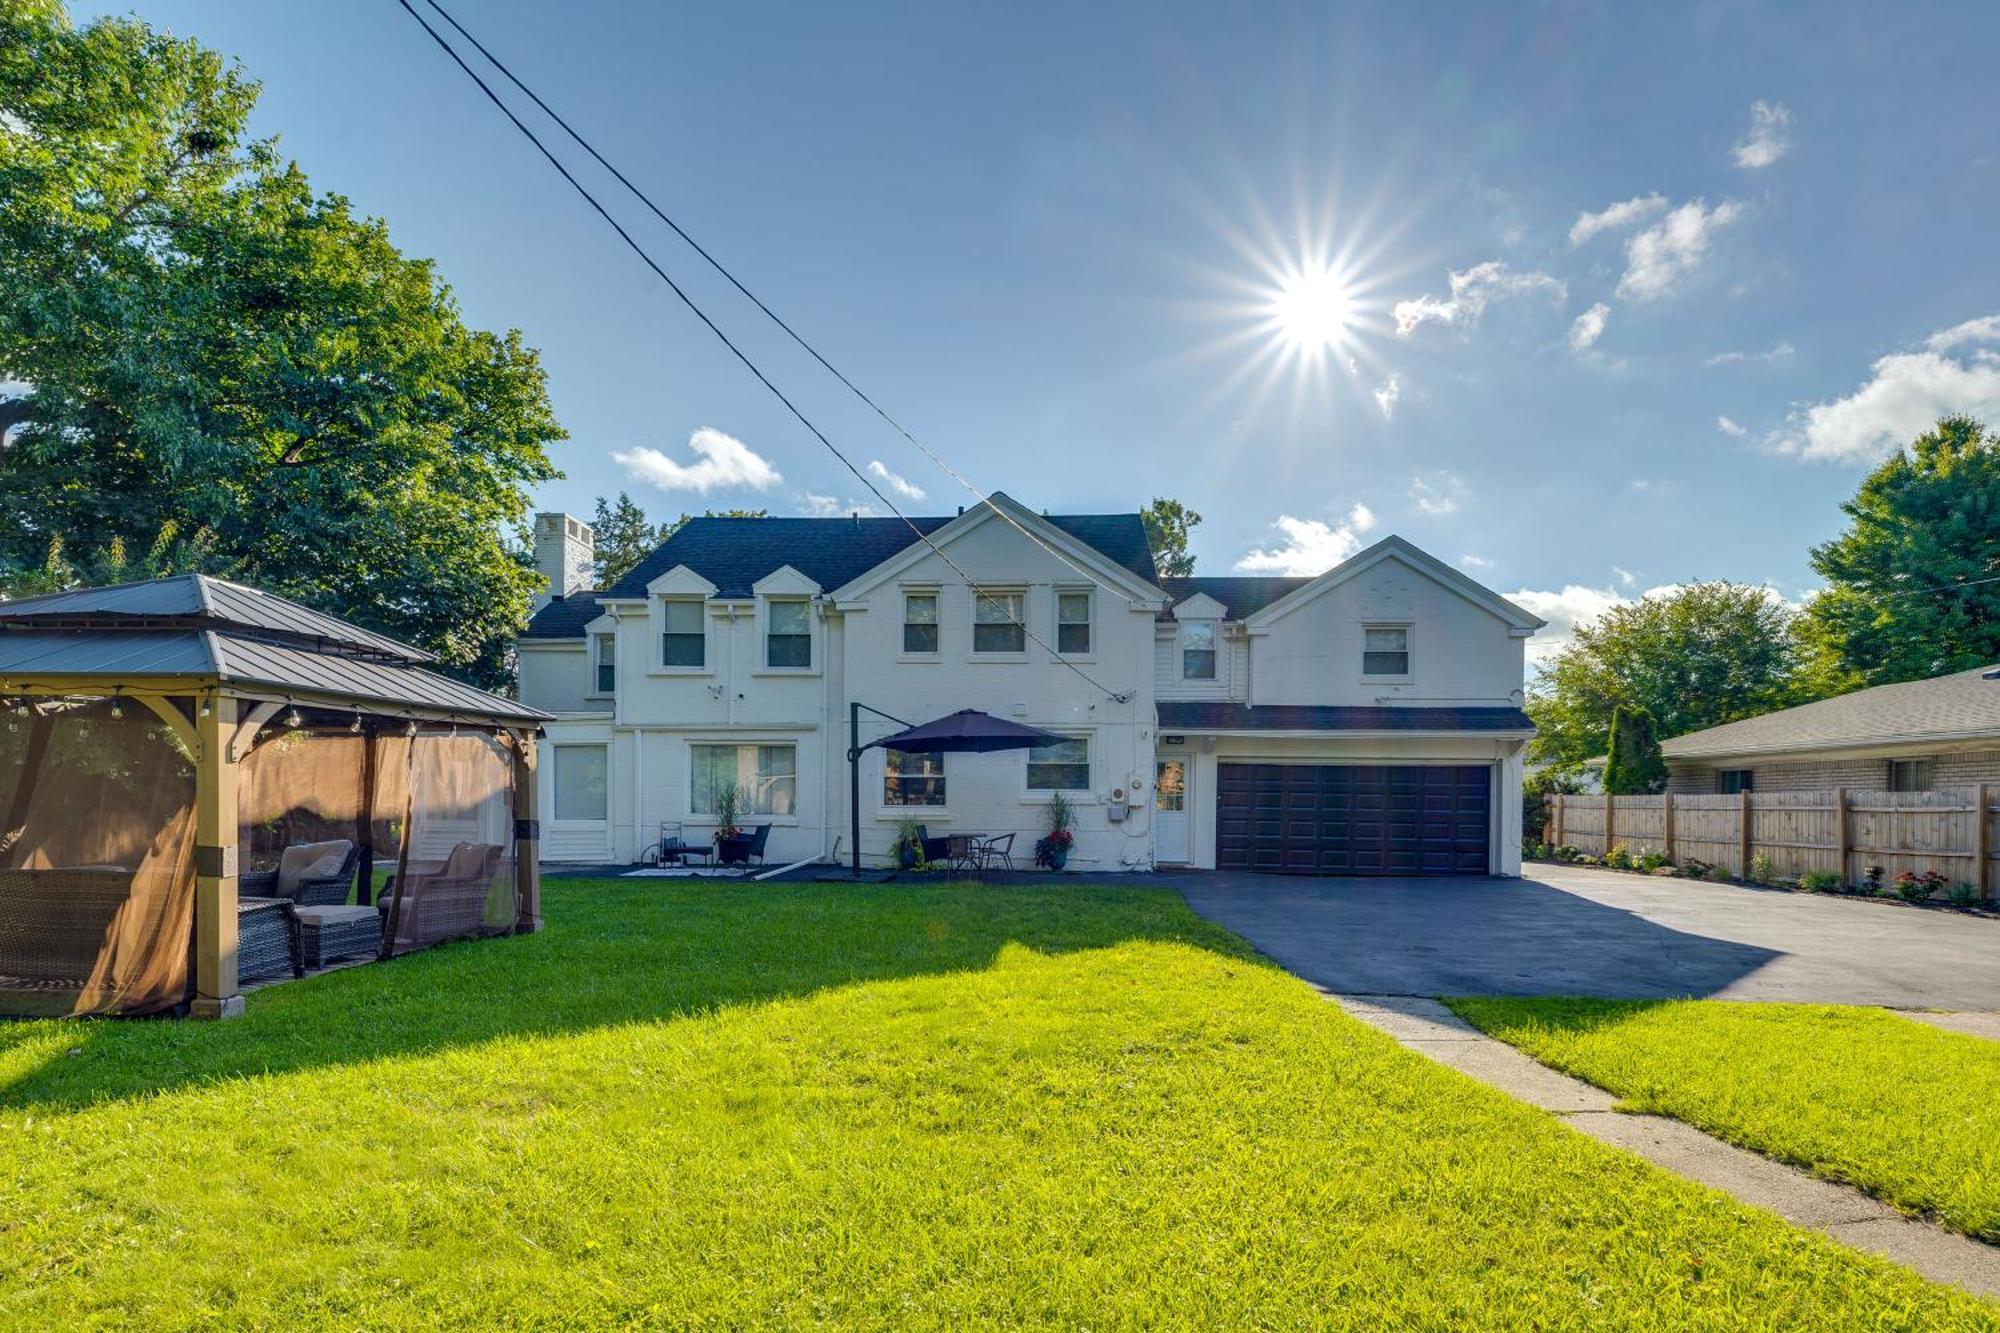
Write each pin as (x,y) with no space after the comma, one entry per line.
(999,847)
(743,851)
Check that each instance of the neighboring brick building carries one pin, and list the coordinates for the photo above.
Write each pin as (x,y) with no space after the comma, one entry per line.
(1915,736)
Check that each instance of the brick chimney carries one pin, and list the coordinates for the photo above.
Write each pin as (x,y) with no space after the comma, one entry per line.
(564,548)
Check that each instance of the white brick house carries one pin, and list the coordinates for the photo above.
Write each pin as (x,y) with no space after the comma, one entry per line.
(1365,721)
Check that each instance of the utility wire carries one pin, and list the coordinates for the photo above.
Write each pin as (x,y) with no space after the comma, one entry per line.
(724,338)
(755,300)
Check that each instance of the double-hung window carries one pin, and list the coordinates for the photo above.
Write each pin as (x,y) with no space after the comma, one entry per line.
(1385,650)
(582,781)
(999,622)
(683,642)
(920,622)
(765,778)
(606,670)
(1073,623)
(1062,765)
(1735,781)
(1909,775)
(912,779)
(1198,650)
(788,640)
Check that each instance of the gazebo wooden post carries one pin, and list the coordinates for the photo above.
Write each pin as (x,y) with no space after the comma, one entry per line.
(364,819)
(527,836)
(216,832)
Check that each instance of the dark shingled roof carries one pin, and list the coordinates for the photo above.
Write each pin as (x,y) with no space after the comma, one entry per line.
(1243,594)
(734,553)
(1197,715)
(1962,706)
(565,617)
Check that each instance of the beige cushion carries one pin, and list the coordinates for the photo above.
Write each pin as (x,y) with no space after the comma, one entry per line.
(469,859)
(309,860)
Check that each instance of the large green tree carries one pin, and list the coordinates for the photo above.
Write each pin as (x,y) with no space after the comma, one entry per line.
(1634,765)
(1913,584)
(1699,656)
(208,365)
(1168,524)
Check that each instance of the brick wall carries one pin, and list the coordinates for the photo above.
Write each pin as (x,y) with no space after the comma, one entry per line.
(1947,770)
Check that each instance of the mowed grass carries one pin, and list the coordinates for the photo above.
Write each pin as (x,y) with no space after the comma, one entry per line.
(783,1105)
(1899,1108)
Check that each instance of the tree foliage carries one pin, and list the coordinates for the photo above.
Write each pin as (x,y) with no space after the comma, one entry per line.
(1904,597)
(210,367)
(1635,766)
(1704,654)
(1168,524)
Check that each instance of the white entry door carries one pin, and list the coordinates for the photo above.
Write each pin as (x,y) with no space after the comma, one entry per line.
(1171,842)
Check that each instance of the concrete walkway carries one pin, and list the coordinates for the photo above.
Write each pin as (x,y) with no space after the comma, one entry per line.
(1847,1215)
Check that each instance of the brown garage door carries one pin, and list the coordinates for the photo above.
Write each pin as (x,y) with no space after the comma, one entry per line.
(1352,819)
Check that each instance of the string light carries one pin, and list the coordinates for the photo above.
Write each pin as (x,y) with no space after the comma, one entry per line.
(292,719)
(355,726)
(411,729)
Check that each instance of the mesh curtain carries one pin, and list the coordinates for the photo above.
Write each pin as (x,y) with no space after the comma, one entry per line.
(456,872)
(96,860)
(307,786)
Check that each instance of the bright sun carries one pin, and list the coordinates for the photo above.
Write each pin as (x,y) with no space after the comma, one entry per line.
(1313,309)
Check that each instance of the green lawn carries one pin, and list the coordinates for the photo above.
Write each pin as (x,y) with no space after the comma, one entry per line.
(726,1105)
(1899,1108)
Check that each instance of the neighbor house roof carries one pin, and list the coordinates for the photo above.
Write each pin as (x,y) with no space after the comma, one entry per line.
(1240,594)
(1962,706)
(734,553)
(1199,715)
(565,617)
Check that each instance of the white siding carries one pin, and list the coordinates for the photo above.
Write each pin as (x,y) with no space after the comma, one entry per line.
(553,674)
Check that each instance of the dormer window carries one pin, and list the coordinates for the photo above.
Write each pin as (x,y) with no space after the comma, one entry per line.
(1198,650)
(1385,650)
(683,642)
(605,670)
(788,634)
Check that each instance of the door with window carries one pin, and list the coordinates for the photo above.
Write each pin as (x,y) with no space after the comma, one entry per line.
(1172,841)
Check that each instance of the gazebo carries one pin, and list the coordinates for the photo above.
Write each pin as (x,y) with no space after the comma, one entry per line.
(175,754)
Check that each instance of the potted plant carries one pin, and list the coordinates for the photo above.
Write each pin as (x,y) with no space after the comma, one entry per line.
(1052,850)
(730,841)
(908,848)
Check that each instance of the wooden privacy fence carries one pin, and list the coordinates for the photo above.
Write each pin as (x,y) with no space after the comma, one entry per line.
(1952,831)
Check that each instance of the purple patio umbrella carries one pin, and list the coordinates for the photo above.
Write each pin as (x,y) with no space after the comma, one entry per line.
(968,731)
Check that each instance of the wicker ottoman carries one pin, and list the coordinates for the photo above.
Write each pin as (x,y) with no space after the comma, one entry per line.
(327,933)
(265,944)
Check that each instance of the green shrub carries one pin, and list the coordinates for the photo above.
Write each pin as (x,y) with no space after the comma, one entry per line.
(1963,895)
(1716,875)
(1618,858)
(1651,861)
(1818,881)
(1761,869)
(1915,888)
(1871,880)
(1695,868)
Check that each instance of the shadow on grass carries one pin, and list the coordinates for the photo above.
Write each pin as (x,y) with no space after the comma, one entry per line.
(614,952)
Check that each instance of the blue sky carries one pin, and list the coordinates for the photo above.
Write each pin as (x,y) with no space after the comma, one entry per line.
(1052,241)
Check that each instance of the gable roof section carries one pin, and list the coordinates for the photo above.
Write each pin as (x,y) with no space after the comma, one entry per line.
(565,617)
(1393,547)
(734,553)
(1962,706)
(1241,595)
(200,601)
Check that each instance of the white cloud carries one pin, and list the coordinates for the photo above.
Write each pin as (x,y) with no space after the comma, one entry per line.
(1470,561)
(1635,209)
(1661,256)
(1985,329)
(907,490)
(1311,547)
(1906,394)
(1589,327)
(1729,426)
(1769,138)
(828,506)
(1625,576)
(722,461)
(1471,292)
(1440,493)
(1386,395)
(1565,609)
(1780,351)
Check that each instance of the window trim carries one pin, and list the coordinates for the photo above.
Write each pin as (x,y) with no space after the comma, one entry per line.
(903,649)
(1409,631)
(1746,780)
(664,667)
(942,778)
(555,789)
(694,816)
(595,681)
(765,605)
(1921,765)
(1086,793)
(979,654)
(1214,650)
(1089,621)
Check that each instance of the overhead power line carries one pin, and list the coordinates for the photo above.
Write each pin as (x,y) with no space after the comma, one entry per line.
(758,301)
(763,379)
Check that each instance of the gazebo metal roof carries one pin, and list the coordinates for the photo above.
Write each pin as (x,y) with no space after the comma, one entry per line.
(192,630)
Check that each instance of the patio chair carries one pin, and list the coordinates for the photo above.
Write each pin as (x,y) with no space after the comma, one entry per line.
(999,847)
(319,873)
(742,851)
(445,903)
(935,849)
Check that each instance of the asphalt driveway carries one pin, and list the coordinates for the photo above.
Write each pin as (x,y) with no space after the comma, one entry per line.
(1571,930)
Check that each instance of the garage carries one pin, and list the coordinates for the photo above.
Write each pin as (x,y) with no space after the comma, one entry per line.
(1353,819)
